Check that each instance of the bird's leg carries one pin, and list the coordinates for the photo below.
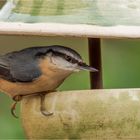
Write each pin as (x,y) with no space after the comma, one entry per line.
(42,106)
(16,98)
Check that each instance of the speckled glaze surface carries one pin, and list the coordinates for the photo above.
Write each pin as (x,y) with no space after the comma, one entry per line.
(88,114)
(94,12)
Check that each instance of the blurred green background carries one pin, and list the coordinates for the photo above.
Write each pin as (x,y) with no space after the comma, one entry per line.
(120,60)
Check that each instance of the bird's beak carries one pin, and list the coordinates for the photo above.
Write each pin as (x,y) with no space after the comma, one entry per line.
(84,66)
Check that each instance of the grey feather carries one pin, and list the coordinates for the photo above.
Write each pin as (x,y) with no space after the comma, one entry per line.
(19,66)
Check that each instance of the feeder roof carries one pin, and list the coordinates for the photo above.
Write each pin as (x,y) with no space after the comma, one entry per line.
(86,18)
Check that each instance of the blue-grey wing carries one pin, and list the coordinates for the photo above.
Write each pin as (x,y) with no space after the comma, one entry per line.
(18,68)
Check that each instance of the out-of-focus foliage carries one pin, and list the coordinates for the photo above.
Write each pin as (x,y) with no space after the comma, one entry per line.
(121,63)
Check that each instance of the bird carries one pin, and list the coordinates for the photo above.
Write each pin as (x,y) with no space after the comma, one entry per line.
(34,70)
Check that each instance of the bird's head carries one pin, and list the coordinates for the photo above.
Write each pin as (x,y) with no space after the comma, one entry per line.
(66,59)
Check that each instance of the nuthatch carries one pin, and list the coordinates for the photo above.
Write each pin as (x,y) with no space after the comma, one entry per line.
(36,70)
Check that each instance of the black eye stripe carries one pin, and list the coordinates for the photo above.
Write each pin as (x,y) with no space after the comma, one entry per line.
(56,53)
(66,57)
(74,61)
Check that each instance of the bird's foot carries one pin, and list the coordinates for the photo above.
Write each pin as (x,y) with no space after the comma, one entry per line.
(16,98)
(42,106)
(43,110)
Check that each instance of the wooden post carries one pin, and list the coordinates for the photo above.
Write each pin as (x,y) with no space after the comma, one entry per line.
(95,61)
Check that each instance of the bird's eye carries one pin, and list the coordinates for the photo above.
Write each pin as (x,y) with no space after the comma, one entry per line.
(68,58)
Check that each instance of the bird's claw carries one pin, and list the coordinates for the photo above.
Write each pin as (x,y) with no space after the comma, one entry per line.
(16,98)
(13,108)
(45,113)
(42,106)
